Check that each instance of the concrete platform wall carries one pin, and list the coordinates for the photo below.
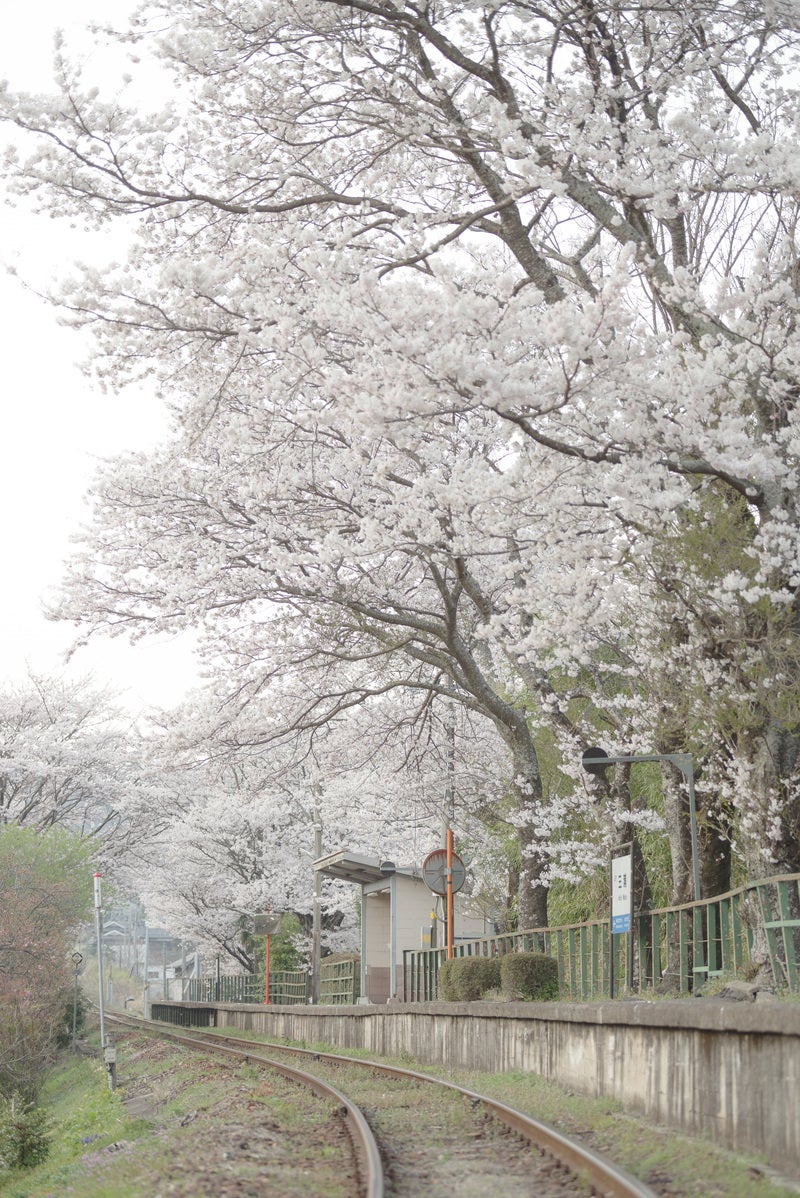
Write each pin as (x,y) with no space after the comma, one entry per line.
(729,1071)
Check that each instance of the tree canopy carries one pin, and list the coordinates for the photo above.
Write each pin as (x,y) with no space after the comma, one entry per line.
(68,758)
(478,322)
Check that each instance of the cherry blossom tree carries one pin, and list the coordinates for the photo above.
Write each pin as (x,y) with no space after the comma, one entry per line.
(245,799)
(478,323)
(68,758)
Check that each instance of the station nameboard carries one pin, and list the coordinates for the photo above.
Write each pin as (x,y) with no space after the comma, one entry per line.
(621,889)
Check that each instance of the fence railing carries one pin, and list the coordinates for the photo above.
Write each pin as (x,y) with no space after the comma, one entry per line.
(339,982)
(245,987)
(680,945)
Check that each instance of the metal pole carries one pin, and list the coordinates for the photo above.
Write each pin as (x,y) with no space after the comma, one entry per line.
(393,936)
(610,961)
(134,971)
(109,1054)
(98,929)
(146,986)
(77,958)
(266,963)
(449,893)
(686,765)
(363,961)
(316,911)
(75,1012)
(447,822)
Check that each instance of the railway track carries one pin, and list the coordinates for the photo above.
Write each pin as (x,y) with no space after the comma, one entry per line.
(410,1131)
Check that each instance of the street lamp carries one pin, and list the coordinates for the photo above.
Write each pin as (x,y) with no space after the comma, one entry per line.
(594,761)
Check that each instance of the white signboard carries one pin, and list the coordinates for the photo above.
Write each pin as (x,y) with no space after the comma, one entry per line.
(267,925)
(621,893)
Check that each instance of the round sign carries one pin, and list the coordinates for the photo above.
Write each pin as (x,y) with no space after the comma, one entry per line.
(434,871)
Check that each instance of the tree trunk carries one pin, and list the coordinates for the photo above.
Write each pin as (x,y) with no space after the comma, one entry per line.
(715,859)
(770,809)
(676,822)
(532,893)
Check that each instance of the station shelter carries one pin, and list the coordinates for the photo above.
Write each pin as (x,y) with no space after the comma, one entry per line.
(396,908)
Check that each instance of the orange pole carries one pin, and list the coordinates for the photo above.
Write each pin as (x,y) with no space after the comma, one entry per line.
(449,893)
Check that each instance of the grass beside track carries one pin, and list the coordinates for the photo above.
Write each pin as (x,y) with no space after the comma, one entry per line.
(86,1120)
(215,1129)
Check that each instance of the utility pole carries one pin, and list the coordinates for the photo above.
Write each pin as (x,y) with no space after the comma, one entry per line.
(316,915)
(448,816)
(146,986)
(98,931)
(108,1050)
(266,961)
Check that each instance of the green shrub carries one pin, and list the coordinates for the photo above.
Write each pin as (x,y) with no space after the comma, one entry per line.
(24,1133)
(466,979)
(284,954)
(530,976)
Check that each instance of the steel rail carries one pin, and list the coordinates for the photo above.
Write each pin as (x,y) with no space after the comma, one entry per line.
(607,1179)
(368,1157)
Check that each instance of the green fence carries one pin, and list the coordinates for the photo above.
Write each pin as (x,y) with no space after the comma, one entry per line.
(685,945)
(339,982)
(289,986)
(245,987)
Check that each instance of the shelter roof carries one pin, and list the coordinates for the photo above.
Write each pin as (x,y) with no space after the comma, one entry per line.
(351,867)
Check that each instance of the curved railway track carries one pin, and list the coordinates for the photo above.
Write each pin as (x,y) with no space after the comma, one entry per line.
(367,1157)
(592,1172)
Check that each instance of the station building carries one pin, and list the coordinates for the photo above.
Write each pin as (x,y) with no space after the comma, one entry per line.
(398,912)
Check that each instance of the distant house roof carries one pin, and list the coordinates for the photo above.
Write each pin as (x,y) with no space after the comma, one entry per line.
(351,867)
(159,934)
(114,931)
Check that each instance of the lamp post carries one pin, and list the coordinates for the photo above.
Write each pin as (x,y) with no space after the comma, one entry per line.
(594,761)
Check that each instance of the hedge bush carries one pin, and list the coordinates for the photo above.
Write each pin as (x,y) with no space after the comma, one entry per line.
(466,979)
(530,976)
(24,1133)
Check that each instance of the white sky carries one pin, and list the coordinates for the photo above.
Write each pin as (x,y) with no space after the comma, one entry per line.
(54,423)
